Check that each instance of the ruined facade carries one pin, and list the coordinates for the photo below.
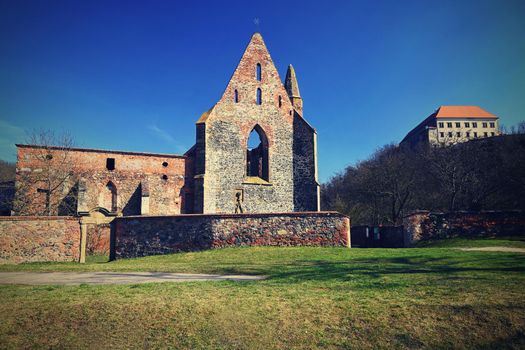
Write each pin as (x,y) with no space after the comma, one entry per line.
(221,173)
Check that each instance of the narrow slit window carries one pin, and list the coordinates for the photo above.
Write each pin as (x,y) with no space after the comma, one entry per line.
(258,72)
(236,96)
(280,101)
(259,96)
(112,189)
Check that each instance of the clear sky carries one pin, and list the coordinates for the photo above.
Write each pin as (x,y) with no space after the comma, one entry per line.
(137,75)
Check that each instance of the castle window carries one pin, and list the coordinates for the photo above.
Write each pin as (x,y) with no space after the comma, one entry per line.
(449,125)
(257,154)
(164,177)
(442,134)
(441,124)
(280,101)
(474,125)
(467,125)
(259,96)
(492,125)
(468,134)
(236,96)
(112,189)
(258,71)
(475,134)
(458,125)
(165,164)
(484,125)
(110,163)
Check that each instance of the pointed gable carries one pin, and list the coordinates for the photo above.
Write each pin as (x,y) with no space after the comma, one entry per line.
(254,81)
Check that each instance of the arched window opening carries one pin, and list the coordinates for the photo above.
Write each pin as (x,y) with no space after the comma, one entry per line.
(259,96)
(257,154)
(280,101)
(258,72)
(236,96)
(113,195)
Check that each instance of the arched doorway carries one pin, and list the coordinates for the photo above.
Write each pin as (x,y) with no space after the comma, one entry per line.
(96,235)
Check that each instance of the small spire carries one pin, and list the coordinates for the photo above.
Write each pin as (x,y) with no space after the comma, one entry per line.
(290,83)
(292,88)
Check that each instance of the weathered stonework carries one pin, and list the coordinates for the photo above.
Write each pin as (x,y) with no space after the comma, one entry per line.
(424,225)
(222,137)
(165,183)
(142,236)
(30,239)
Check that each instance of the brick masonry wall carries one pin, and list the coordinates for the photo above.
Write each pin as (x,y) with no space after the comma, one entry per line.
(30,239)
(423,225)
(166,195)
(142,236)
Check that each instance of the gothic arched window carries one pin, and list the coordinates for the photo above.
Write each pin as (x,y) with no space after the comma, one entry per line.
(259,96)
(257,154)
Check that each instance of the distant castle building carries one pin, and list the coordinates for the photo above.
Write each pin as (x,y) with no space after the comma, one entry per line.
(453,124)
(219,174)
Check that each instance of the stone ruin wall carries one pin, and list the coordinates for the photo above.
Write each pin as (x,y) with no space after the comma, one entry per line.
(143,236)
(39,238)
(167,196)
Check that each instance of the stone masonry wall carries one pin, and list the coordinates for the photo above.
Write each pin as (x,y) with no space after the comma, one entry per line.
(227,128)
(142,236)
(166,183)
(304,166)
(30,239)
(423,225)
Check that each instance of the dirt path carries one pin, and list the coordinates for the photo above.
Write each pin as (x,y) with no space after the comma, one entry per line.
(33,278)
(496,249)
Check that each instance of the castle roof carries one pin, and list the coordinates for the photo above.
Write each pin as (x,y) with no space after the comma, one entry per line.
(463,112)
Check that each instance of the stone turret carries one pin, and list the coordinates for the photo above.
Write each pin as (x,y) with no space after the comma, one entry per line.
(292,88)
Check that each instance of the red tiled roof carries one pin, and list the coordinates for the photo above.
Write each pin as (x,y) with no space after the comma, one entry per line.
(463,112)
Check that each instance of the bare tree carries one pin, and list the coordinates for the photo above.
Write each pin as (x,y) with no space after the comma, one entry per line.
(52,176)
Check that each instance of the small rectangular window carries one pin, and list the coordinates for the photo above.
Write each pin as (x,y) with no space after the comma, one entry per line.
(492,134)
(449,125)
(467,134)
(458,134)
(485,134)
(475,134)
(467,125)
(484,125)
(442,134)
(492,125)
(441,124)
(458,125)
(474,125)
(449,134)
(110,163)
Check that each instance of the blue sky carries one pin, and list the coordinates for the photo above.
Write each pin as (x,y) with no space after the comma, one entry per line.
(137,75)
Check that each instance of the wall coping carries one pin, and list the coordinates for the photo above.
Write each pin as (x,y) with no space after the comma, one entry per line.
(463,212)
(37,218)
(234,216)
(96,150)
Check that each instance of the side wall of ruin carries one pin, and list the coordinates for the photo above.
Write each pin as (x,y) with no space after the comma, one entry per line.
(164,176)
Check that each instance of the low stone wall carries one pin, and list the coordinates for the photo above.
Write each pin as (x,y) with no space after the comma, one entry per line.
(423,225)
(39,238)
(150,235)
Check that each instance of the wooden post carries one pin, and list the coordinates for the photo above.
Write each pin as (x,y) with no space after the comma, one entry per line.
(83,242)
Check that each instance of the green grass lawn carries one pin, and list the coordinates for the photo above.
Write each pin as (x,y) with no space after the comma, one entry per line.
(314,298)
(515,242)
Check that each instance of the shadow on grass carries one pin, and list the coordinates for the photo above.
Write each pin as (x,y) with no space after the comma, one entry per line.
(375,268)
